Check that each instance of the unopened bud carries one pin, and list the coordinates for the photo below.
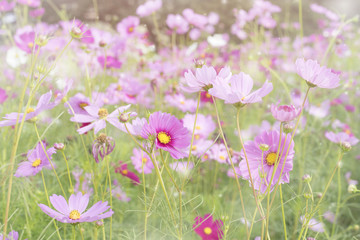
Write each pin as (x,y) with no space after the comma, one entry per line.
(99,223)
(306,178)
(264,147)
(59,146)
(76,32)
(102,43)
(199,63)
(345,146)
(124,117)
(41,40)
(356,227)
(307,195)
(288,128)
(352,188)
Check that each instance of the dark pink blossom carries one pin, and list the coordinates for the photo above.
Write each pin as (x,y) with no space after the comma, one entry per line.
(207,228)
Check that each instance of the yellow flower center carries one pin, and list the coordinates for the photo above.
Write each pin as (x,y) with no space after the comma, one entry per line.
(198,127)
(348,132)
(207,231)
(130,29)
(74,215)
(270,159)
(125,172)
(193,148)
(29,110)
(206,156)
(144,160)
(163,137)
(197,136)
(36,163)
(103,113)
(119,87)
(83,105)
(207,95)
(30,45)
(182,102)
(222,157)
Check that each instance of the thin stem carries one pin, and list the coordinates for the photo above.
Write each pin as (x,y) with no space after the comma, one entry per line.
(68,171)
(144,188)
(81,233)
(232,166)
(338,202)
(110,191)
(47,156)
(283,212)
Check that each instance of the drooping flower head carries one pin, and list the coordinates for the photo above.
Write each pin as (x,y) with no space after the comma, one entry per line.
(168,133)
(36,160)
(316,75)
(103,145)
(207,228)
(262,169)
(73,211)
(285,113)
(238,90)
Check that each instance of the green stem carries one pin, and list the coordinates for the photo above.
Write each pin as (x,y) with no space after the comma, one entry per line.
(283,212)
(68,171)
(110,191)
(338,202)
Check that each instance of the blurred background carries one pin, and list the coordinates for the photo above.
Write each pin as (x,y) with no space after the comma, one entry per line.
(112,11)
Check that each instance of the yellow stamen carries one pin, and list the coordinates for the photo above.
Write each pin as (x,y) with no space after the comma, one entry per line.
(30,45)
(182,102)
(163,137)
(193,148)
(83,105)
(125,172)
(198,127)
(222,157)
(29,110)
(144,160)
(74,215)
(103,113)
(36,163)
(206,156)
(207,95)
(270,159)
(197,136)
(130,29)
(207,231)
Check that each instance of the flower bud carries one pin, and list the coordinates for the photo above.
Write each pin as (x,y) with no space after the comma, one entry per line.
(288,128)
(102,43)
(345,146)
(307,195)
(199,63)
(264,147)
(124,117)
(352,188)
(59,146)
(306,178)
(356,227)
(99,223)
(76,32)
(41,40)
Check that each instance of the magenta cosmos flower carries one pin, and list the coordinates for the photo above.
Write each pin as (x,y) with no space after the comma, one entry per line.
(341,137)
(177,23)
(25,39)
(204,125)
(285,113)
(315,75)
(36,160)
(124,171)
(11,236)
(238,90)
(128,26)
(262,169)
(141,161)
(148,8)
(169,134)
(6,6)
(73,211)
(97,117)
(109,62)
(203,79)
(207,228)
(3,96)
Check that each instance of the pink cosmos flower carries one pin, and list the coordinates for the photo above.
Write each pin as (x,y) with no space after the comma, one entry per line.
(148,8)
(123,170)
(6,6)
(203,79)
(11,236)
(110,62)
(135,128)
(25,39)
(238,90)
(285,113)
(201,148)
(330,216)
(349,180)
(315,75)
(207,228)
(313,224)
(37,12)
(179,101)
(36,160)
(99,116)
(204,125)
(78,104)
(177,23)
(218,153)
(73,210)
(141,161)
(83,179)
(43,104)
(183,168)
(168,133)
(128,26)
(118,193)
(341,137)
(262,169)
(3,96)
(30,3)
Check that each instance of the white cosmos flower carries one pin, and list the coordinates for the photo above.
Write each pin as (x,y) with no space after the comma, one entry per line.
(16,57)
(217,40)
